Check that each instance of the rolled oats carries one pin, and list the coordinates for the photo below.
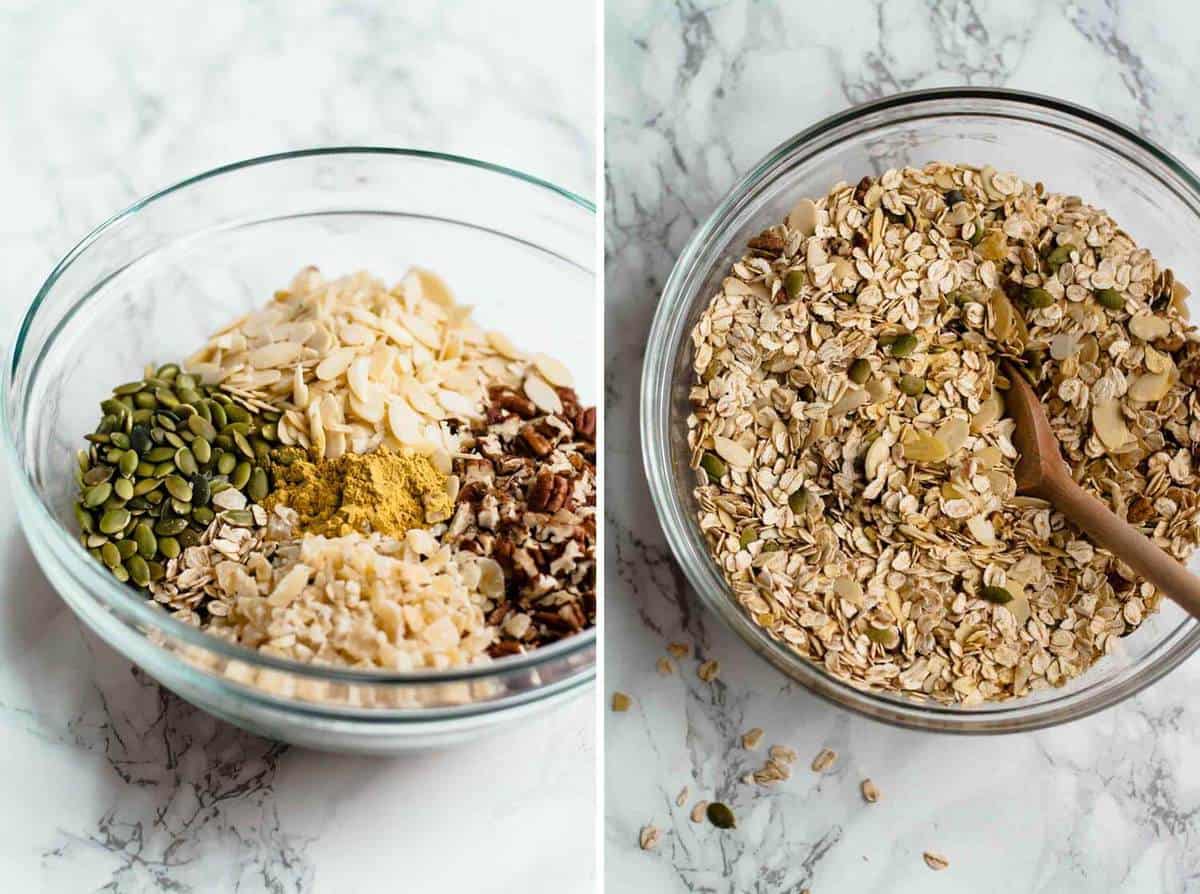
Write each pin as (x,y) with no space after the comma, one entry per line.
(862,516)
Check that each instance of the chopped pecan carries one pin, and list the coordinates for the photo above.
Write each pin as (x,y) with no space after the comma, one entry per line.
(515,403)
(767,243)
(585,423)
(538,444)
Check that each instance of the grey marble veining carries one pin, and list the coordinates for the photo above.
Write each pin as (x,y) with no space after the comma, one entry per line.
(696,93)
(110,783)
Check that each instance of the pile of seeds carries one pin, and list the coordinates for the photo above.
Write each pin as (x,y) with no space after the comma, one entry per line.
(175,476)
(168,456)
(855,468)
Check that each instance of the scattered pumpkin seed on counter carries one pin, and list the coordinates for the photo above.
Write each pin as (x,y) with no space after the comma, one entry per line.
(166,459)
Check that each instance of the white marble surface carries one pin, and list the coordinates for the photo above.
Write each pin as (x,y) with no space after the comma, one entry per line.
(697,92)
(109,783)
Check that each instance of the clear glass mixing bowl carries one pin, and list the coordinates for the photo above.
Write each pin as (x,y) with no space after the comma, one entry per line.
(1070,149)
(152,282)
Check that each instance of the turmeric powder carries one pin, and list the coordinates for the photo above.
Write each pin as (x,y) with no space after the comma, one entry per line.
(387,492)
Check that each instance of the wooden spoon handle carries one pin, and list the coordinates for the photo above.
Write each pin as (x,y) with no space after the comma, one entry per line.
(1124,541)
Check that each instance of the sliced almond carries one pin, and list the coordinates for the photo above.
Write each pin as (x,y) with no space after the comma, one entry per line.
(990,409)
(876,454)
(545,397)
(803,217)
(849,589)
(733,452)
(1110,425)
(953,433)
(920,447)
(553,371)
(1151,387)
(273,355)
(1149,327)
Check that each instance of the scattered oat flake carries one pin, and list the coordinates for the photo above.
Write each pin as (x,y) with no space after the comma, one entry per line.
(870,791)
(621,701)
(708,670)
(682,797)
(751,738)
(649,837)
(665,667)
(935,862)
(679,650)
(782,753)
(824,760)
(699,812)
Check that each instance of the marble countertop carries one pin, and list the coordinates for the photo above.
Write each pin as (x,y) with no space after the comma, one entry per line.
(1110,803)
(109,782)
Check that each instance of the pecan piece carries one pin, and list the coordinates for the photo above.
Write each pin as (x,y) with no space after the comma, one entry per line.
(542,490)
(767,243)
(1140,510)
(585,424)
(537,443)
(516,403)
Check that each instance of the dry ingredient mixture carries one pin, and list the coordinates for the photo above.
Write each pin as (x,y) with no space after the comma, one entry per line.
(353,475)
(854,464)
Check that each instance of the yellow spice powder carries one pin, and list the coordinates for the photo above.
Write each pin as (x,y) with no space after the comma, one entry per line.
(385,491)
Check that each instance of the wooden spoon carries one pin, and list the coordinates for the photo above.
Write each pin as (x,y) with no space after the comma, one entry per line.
(1041,472)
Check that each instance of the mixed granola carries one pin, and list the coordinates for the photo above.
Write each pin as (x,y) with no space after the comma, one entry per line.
(854,463)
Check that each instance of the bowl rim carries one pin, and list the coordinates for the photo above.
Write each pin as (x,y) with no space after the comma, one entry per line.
(678,527)
(108,591)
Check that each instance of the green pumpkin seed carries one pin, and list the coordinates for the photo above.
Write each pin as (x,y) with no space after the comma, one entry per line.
(120,573)
(139,439)
(270,432)
(772,546)
(912,385)
(188,538)
(201,491)
(168,371)
(120,439)
(1038,298)
(174,440)
(157,571)
(129,388)
(202,515)
(202,451)
(160,454)
(243,444)
(749,535)
(880,635)
(710,462)
(241,518)
(859,371)
(201,427)
(169,547)
(139,571)
(110,555)
(95,541)
(1059,256)
(144,400)
(1111,298)
(904,345)
(241,474)
(87,524)
(147,543)
(257,488)
(217,415)
(166,397)
(798,500)
(793,283)
(129,462)
(721,816)
(226,463)
(185,461)
(167,423)
(97,475)
(163,469)
(97,494)
(123,488)
(998,595)
(170,527)
(126,548)
(145,485)
(237,413)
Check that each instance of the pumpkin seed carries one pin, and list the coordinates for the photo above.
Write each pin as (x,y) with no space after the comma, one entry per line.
(169,547)
(185,461)
(145,485)
(1110,298)
(96,494)
(110,554)
(749,535)
(710,462)
(256,489)
(188,538)
(159,454)
(202,451)
(97,475)
(202,515)
(201,427)
(139,439)
(721,816)
(217,415)
(168,371)
(129,388)
(243,444)
(904,345)
(793,283)
(912,385)
(201,491)
(859,371)
(241,475)
(226,463)
(120,439)
(998,595)
(1038,298)
(129,462)
(798,500)
(139,571)
(170,527)
(86,523)
(237,413)
(147,544)
(113,520)
(123,488)
(181,507)
(157,571)
(94,541)
(241,518)
(126,548)
(1059,256)
(121,574)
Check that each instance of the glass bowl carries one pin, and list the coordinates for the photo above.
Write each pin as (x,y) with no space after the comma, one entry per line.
(1070,149)
(150,285)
